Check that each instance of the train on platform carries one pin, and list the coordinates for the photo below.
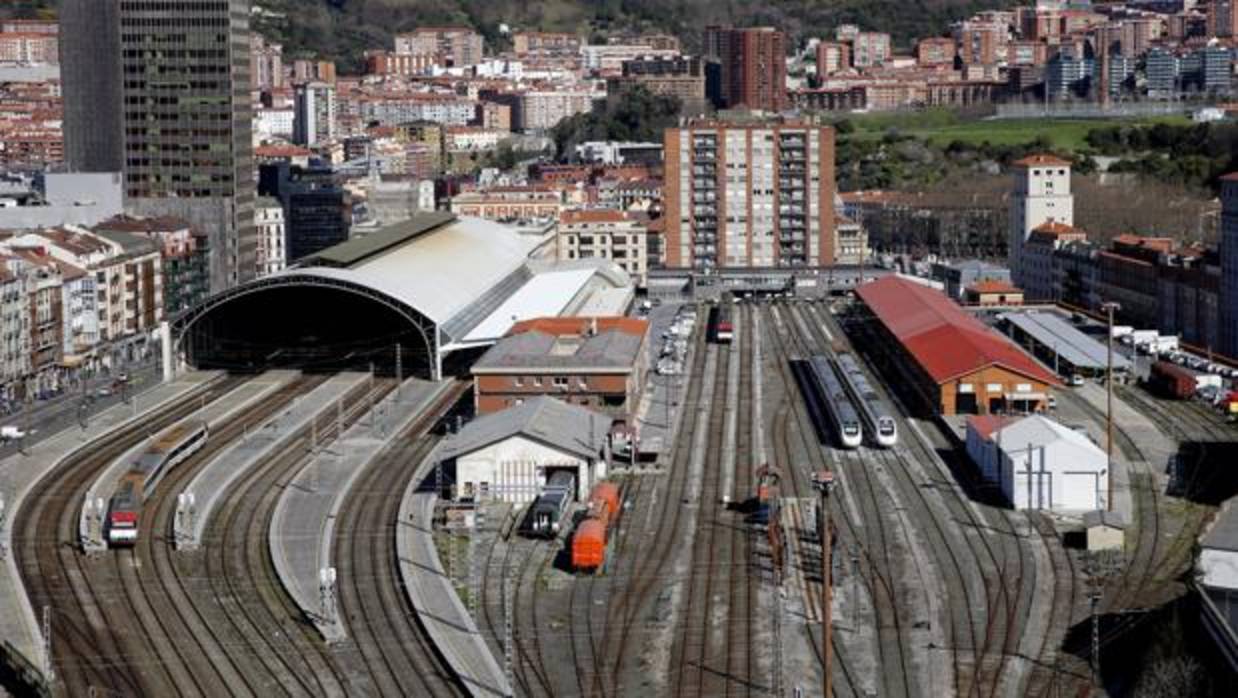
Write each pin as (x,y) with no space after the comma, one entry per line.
(550,507)
(721,323)
(590,539)
(166,451)
(841,413)
(878,418)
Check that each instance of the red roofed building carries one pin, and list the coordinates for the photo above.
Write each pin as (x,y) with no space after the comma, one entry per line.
(997,293)
(948,359)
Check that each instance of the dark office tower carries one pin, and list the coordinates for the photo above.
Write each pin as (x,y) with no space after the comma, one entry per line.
(186,116)
(754,66)
(91,83)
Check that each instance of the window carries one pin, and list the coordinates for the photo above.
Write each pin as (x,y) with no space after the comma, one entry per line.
(518,381)
(561,381)
(994,387)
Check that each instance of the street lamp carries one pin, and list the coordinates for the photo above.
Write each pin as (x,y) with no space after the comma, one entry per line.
(1110,308)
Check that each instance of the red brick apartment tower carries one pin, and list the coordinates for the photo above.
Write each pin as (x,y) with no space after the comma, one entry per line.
(754,67)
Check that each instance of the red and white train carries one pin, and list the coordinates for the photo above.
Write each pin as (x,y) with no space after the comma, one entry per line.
(173,445)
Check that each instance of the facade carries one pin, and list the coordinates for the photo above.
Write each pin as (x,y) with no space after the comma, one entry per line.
(15,337)
(1041,195)
(545,44)
(510,455)
(937,51)
(850,241)
(455,47)
(946,360)
(198,163)
(272,236)
(186,279)
(315,114)
(754,67)
(1229,265)
(749,196)
(1039,464)
(510,203)
(680,76)
(1039,280)
(992,293)
(957,277)
(870,49)
(604,234)
(595,362)
(1129,275)
(833,57)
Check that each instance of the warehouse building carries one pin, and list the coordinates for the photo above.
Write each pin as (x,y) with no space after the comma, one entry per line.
(947,360)
(595,362)
(405,298)
(1039,464)
(509,455)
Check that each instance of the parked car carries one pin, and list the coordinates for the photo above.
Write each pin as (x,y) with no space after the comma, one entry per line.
(1076,380)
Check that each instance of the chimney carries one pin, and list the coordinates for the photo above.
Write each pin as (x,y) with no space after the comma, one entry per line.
(593,326)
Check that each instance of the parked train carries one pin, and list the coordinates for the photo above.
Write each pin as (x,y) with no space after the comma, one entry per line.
(844,420)
(878,418)
(172,446)
(546,516)
(589,541)
(721,326)
(1172,381)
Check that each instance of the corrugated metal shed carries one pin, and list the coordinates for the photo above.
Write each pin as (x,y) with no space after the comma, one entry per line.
(946,341)
(1055,333)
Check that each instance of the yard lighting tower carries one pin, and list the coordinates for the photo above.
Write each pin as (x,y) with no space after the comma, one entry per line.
(1110,308)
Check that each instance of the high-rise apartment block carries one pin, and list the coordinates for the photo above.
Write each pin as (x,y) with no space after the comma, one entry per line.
(749,195)
(1229,265)
(160,91)
(457,47)
(754,66)
(1041,195)
(315,114)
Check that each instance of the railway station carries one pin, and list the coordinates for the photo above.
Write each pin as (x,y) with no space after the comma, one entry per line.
(405,298)
(949,361)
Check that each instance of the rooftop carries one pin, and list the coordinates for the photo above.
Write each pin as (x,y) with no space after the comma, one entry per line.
(946,341)
(1077,348)
(990,286)
(571,428)
(1041,160)
(568,344)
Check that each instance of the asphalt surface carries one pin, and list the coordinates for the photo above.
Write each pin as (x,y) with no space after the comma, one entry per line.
(47,417)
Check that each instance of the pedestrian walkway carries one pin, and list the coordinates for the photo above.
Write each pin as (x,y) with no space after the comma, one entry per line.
(20,636)
(256,447)
(303,525)
(430,591)
(214,415)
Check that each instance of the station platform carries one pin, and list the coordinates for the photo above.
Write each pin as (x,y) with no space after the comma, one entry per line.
(214,414)
(440,609)
(303,525)
(258,445)
(20,637)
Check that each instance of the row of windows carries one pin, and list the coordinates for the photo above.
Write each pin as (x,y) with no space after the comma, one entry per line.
(557,381)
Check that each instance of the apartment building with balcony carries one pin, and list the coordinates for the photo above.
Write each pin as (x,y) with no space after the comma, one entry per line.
(749,195)
(605,234)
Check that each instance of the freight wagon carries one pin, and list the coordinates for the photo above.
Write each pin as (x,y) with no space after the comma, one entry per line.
(1171,381)
(589,541)
(169,449)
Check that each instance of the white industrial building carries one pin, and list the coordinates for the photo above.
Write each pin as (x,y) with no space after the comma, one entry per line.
(1038,463)
(508,456)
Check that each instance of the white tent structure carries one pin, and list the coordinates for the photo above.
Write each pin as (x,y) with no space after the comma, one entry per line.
(1040,464)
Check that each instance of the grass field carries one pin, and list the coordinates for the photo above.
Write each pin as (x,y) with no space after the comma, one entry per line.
(940,127)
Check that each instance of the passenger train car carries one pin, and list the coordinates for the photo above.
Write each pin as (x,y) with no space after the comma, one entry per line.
(165,452)
(722,329)
(550,507)
(878,417)
(844,420)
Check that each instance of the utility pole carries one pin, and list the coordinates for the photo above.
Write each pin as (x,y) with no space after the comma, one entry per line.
(1109,309)
(49,672)
(399,370)
(823,482)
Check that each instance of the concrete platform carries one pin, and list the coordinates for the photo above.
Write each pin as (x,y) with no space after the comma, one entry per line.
(259,445)
(20,636)
(303,526)
(430,590)
(215,414)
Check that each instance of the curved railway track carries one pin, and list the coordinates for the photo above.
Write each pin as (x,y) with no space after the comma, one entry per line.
(392,644)
(89,647)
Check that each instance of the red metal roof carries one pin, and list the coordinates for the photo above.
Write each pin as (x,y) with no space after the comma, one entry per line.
(1041,160)
(946,341)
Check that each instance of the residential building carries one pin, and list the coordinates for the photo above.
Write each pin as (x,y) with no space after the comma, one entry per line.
(197,162)
(832,57)
(266,63)
(546,44)
(595,362)
(510,203)
(1190,297)
(992,293)
(604,234)
(850,240)
(315,114)
(1129,275)
(1069,74)
(14,329)
(682,77)
(870,49)
(754,67)
(541,110)
(29,48)
(1163,70)
(1039,280)
(1229,265)
(937,51)
(186,279)
(1222,18)
(455,47)
(609,58)
(749,195)
(272,236)
(1041,195)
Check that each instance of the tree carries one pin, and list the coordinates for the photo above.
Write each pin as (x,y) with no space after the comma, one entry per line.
(635,114)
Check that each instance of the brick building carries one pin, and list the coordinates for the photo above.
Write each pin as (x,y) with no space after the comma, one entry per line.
(754,66)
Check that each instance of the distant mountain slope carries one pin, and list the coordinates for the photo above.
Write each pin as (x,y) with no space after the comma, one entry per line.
(343,29)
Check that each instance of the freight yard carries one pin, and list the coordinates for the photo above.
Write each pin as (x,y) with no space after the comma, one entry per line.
(316,534)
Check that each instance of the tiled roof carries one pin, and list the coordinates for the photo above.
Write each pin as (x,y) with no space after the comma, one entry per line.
(946,341)
(571,428)
(1042,160)
(991,286)
(1056,228)
(580,325)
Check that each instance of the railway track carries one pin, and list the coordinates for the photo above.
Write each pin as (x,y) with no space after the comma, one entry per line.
(242,593)
(392,644)
(742,593)
(89,647)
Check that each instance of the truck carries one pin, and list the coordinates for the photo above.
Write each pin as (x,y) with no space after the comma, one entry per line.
(1207,380)
(11,433)
(1122,330)
(1163,343)
(1142,338)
